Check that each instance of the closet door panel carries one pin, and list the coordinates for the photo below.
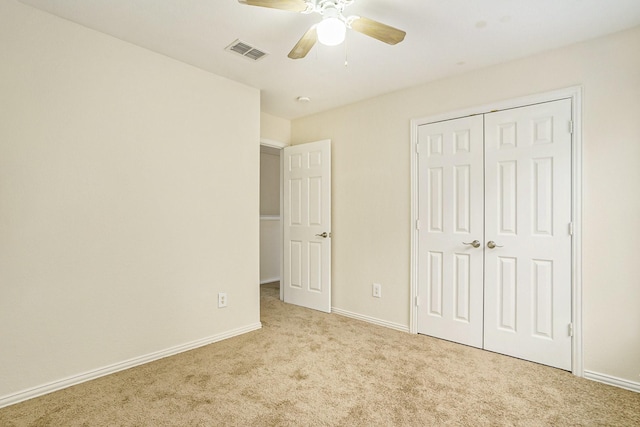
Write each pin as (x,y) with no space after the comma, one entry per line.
(527,216)
(451,211)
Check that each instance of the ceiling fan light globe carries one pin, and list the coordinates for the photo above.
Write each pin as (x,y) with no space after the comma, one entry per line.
(331,31)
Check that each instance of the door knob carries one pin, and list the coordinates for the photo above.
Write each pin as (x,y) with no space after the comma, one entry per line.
(323,235)
(491,244)
(475,243)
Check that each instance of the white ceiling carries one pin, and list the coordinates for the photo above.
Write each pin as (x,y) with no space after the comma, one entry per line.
(444,37)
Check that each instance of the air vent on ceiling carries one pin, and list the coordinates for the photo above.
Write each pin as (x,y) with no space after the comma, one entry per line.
(246,50)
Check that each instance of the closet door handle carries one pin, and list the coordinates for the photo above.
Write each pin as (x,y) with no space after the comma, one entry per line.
(491,244)
(475,243)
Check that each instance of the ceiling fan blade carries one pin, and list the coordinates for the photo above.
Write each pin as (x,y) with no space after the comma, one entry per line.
(305,44)
(377,30)
(291,5)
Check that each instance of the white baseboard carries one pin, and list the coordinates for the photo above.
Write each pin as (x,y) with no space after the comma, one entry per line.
(608,379)
(369,319)
(274,279)
(121,366)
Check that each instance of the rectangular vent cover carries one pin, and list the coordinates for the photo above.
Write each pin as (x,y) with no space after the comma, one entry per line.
(246,50)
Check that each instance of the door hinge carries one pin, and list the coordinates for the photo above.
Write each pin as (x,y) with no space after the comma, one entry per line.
(418,148)
(571,229)
(570,329)
(417,224)
(417,301)
(571,126)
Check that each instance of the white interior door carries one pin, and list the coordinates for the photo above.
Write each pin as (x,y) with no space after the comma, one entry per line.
(450,180)
(512,293)
(307,225)
(528,214)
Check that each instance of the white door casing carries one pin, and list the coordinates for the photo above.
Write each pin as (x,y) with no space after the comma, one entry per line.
(307,225)
(528,213)
(450,180)
(527,301)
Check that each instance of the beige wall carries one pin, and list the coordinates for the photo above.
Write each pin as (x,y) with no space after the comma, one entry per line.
(269,184)
(371,186)
(275,128)
(270,250)
(125,187)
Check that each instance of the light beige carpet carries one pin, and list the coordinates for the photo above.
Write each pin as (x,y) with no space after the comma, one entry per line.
(306,368)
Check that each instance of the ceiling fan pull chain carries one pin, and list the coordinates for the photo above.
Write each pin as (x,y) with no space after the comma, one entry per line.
(346,52)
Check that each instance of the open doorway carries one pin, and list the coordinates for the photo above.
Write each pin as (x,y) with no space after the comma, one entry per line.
(270,213)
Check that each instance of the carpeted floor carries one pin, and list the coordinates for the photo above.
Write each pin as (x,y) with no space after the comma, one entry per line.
(306,368)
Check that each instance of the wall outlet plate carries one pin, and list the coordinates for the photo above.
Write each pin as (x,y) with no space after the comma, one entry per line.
(377,290)
(222,299)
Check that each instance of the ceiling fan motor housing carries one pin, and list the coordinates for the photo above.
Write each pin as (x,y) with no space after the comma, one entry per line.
(322,6)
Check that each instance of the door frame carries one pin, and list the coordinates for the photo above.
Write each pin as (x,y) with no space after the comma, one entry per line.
(573,93)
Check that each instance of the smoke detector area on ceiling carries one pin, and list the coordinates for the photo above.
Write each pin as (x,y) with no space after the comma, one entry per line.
(246,50)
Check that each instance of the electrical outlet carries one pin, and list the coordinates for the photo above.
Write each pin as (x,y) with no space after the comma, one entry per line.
(377,290)
(222,299)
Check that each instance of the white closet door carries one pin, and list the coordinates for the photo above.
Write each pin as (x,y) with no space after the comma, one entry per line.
(527,215)
(451,218)
(307,225)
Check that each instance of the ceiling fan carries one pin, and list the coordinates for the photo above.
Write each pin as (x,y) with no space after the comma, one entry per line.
(331,30)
